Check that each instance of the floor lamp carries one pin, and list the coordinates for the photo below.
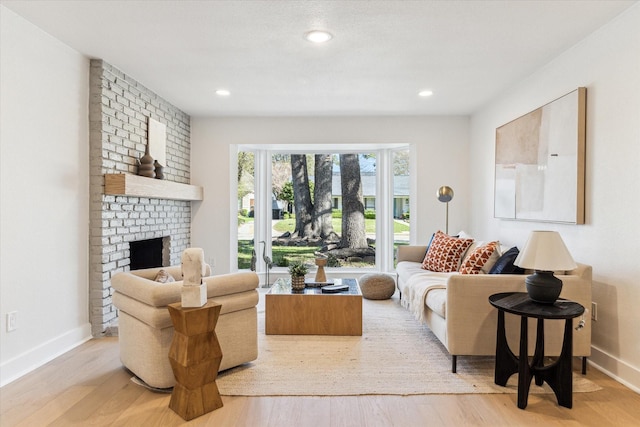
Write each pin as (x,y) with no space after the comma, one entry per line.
(445,194)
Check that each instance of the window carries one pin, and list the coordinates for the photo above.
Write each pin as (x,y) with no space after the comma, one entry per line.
(349,205)
(401,195)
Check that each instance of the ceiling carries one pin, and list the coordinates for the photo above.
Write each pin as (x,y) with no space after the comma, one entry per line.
(382,54)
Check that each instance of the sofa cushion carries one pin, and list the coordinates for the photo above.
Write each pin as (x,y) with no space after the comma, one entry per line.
(477,258)
(504,264)
(436,300)
(406,269)
(445,252)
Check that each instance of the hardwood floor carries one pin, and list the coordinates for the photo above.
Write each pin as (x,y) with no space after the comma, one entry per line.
(89,386)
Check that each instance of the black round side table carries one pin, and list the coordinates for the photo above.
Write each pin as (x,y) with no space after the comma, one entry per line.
(559,374)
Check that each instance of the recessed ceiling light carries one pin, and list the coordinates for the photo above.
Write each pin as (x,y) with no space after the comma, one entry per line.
(317,36)
(425,93)
(223,92)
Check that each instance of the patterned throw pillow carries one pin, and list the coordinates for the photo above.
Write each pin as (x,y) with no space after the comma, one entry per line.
(492,259)
(163,276)
(429,245)
(445,252)
(477,258)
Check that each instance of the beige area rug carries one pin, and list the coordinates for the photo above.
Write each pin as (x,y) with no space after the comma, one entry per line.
(396,355)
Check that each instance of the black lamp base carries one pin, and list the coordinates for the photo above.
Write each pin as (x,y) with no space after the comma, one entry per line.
(543,287)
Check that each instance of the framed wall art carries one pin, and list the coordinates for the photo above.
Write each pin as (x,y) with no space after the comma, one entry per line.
(540,163)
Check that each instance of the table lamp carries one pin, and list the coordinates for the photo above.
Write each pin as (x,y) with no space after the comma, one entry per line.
(544,252)
(445,194)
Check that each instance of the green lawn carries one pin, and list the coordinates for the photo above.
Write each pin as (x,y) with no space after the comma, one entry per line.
(369,224)
(280,255)
(283,255)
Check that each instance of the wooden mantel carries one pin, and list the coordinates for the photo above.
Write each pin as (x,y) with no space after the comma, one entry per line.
(124,184)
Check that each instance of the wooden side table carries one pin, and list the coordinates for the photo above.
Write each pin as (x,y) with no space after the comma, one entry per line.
(195,357)
(559,374)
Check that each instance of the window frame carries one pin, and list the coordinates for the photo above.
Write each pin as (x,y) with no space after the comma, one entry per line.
(262,192)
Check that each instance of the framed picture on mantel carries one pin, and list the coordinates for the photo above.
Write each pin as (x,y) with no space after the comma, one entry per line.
(540,162)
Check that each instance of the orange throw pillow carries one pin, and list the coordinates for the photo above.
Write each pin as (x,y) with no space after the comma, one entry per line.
(477,258)
(445,252)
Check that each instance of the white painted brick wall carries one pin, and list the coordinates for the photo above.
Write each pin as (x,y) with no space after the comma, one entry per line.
(119,110)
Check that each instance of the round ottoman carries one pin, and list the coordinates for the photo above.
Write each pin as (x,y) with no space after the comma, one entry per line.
(377,286)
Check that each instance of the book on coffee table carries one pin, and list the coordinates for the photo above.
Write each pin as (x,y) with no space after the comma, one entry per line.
(331,289)
(311,283)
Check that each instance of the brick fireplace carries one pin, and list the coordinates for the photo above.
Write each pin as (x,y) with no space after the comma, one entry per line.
(119,111)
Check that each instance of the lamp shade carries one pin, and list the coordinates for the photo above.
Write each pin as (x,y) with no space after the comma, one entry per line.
(545,251)
(445,194)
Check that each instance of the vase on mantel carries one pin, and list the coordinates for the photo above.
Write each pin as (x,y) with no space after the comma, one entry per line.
(159,170)
(146,167)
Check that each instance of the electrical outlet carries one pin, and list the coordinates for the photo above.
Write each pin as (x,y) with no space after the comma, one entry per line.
(12,318)
(594,311)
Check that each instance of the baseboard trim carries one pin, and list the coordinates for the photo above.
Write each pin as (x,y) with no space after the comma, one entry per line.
(617,369)
(32,359)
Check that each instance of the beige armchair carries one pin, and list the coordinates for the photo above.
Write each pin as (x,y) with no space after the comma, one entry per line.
(145,330)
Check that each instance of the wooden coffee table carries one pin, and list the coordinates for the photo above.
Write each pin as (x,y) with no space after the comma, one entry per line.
(312,312)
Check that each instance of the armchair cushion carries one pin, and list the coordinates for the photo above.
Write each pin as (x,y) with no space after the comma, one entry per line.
(139,285)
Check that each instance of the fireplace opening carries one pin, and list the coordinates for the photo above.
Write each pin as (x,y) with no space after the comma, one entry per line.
(148,253)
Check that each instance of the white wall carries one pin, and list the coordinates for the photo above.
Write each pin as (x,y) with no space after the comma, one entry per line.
(608,64)
(441,147)
(44,196)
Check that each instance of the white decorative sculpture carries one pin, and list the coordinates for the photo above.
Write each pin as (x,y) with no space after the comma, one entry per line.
(194,291)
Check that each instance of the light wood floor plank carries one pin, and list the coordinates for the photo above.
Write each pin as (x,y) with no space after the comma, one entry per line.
(257,410)
(344,411)
(88,386)
(88,365)
(53,408)
(150,409)
(379,411)
(94,406)
(229,414)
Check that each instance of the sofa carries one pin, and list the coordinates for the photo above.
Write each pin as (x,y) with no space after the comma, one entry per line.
(145,329)
(455,307)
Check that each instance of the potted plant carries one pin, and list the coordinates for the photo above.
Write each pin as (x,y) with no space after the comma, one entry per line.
(297,270)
